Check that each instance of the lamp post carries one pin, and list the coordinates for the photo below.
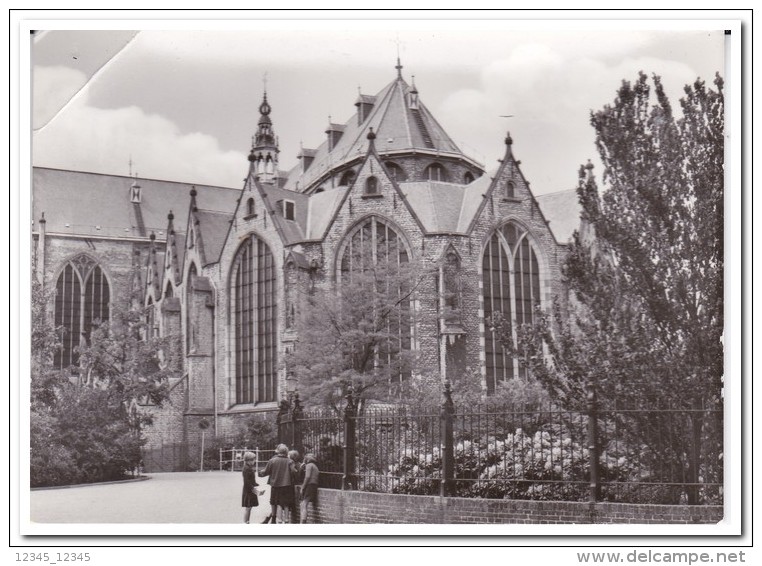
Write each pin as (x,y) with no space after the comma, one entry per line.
(291,382)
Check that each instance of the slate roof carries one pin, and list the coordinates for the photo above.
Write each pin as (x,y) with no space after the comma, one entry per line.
(214,227)
(397,129)
(76,202)
(562,210)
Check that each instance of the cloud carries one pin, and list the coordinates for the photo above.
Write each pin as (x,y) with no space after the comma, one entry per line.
(550,93)
(52,88)
(84,138)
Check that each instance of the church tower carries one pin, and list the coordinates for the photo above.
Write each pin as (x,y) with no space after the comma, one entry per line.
(263,157)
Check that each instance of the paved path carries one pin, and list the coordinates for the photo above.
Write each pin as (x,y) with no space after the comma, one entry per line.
(188,497)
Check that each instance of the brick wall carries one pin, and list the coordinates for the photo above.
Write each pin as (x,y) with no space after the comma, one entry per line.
(344,507)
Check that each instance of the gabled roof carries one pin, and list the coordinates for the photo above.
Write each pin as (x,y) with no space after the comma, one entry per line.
(81,203)
(290,230)
(398,127)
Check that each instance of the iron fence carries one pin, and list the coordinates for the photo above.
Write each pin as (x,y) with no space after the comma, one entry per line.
(666,455)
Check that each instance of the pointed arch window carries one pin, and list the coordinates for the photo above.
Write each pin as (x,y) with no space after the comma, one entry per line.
(82,301)
(190,312)
(378,252)
(151,330)
(347,178)
(435,172)
(371,186)
(511,286)
(254,322)
(395,172)
(250,211)
(510,190)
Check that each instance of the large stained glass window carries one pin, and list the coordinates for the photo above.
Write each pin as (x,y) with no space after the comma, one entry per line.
(511,286)
(82,301)
(254,322)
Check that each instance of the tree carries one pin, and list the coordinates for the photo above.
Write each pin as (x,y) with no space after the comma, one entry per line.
(86,424)
(645,323)
(357,335)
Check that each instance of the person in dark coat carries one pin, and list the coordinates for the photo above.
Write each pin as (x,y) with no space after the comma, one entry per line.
(250,495)
(309,486)
(279,472)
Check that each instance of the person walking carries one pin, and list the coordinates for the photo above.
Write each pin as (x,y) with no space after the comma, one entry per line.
(279,475)
(250,495)
(309,486)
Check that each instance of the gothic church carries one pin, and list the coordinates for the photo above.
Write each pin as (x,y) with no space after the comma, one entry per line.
(221,267)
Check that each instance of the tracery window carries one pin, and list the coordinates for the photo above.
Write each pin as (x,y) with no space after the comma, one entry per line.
(374,247)
(82,301)
(254,322)
(511,286)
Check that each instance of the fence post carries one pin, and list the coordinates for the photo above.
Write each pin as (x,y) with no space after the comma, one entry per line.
(350,412)
(448,458)
(282,421)
(592,445)
(296,432)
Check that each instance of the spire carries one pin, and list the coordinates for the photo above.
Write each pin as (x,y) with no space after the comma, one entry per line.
(263,157)
(508,146)
(398,67)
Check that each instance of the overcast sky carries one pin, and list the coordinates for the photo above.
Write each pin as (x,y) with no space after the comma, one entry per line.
(182,105)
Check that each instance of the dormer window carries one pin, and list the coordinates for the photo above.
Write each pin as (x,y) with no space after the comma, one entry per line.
(371,186)
(288,209)
(136,195)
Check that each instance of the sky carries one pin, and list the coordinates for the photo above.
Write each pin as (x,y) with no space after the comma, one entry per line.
(180,103)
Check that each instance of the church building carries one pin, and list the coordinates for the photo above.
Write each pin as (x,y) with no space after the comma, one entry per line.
(223,268)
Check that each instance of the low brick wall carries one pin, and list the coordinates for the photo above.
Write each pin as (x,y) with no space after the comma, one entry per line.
(344,507)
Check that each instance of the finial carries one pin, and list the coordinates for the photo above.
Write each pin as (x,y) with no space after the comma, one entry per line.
(371,135)
(170,216)
(508,139)
(42,220)
(264,83)
(398,66)
(193,192)
(589,165)
(153,236)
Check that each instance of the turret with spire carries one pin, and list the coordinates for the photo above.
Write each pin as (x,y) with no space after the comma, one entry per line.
(263,157)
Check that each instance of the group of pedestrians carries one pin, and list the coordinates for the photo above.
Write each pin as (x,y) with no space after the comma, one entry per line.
(290,481)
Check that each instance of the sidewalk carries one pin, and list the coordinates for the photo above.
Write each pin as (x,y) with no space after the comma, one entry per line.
(183,497)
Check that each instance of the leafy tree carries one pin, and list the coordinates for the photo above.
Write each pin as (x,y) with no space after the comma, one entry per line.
(85,422)
(356,336)
(644,325)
